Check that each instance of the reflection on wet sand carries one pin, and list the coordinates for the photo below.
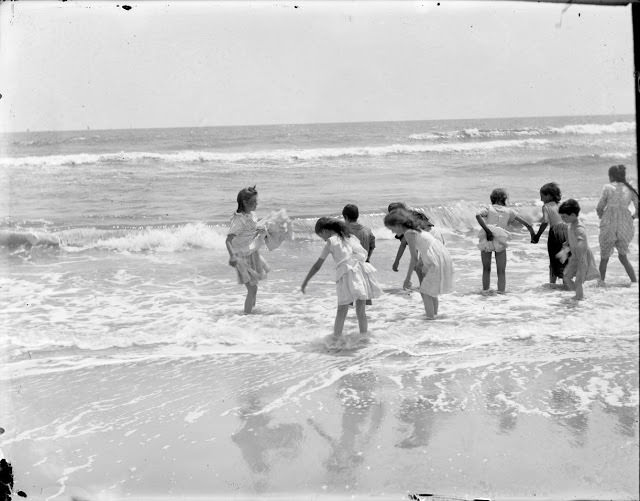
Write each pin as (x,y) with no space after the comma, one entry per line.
(417,412)
(627,419)
(565,407)
(360,405)
(500,396)
(260,442)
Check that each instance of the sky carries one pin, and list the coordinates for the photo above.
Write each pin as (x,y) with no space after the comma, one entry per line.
(76,65)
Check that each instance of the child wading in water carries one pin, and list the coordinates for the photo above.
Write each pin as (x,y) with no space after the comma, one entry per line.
(422,222)
(355,278)
(616,222)
(550,195)
(493,236)
(581,263)
(243,241)
(429,254)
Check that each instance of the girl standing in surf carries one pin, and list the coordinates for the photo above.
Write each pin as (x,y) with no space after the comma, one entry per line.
(243,242)
(355,278)
(494,235)
(427,253)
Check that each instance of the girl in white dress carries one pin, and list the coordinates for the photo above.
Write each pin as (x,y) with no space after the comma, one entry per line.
(430,253)
(493,236)
(355,278)
(243,242)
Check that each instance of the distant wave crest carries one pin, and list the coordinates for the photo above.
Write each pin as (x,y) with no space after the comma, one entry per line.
(475,133)
(280,155)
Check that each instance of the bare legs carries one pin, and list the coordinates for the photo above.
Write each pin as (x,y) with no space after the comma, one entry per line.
(250,301)
(625,262)
(430,306)
(486,269)
(363,325)
(501,265)
(341,315)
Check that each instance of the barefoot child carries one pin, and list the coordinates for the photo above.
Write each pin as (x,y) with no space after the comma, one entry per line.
(581,263)
(243,242)
(550,195)
(423,223)
(616,222)
(355,278)
(429,254)
(494,221)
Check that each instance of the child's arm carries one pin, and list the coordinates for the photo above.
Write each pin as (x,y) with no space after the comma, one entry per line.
(536,237)
(232,255)
(372,245)
(403,245)
(314,269)
(526,224)
(602,203)
(480,220)
(581,242)
(410,240)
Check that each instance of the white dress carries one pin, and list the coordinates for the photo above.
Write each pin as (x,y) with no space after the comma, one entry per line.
(498,218)
(436,264)
(251,267)
(355,278)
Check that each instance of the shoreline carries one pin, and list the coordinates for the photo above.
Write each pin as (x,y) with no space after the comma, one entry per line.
(324,428)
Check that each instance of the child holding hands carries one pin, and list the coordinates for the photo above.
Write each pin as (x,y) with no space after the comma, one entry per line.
(550,195)
(494,221)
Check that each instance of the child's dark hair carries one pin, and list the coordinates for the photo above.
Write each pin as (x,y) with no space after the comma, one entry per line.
(350,212)
(396,205)
(402,217)
(618,173)
(332,224)
(244,195)
(421,219)
(569,207)
(552,190)
(499,196)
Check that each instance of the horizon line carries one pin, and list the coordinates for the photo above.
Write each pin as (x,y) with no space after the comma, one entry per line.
(282,124)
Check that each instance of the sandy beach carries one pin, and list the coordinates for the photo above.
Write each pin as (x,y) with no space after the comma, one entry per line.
(233,426)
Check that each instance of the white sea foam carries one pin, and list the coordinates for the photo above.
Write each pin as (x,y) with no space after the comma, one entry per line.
(280,155)
(577,129)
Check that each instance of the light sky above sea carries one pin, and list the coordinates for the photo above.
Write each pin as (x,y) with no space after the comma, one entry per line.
(77,65)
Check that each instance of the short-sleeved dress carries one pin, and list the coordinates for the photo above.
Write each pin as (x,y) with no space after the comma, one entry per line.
(498,219)
(616,222)
(355,278)
(557,237)
(585,265)
(436,263)
(251,266)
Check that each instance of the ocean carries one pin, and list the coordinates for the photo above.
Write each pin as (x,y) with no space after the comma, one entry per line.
(118,303)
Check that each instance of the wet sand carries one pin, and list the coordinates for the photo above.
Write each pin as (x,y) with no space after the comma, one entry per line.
(316,425)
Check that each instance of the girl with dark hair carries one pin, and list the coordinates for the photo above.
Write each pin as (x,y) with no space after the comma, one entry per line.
(243,242)
(581,265)
(427,253)
(616,222)
(493,236)
(551,195)
(355,278)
